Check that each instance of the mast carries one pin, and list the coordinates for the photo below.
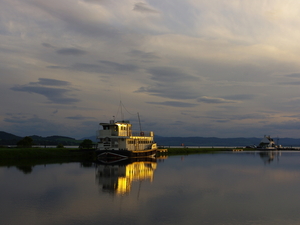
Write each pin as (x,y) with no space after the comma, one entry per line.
(122,115)
(140,122)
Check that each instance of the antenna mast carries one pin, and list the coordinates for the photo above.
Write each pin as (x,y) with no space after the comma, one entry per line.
(122,115)
(140,122)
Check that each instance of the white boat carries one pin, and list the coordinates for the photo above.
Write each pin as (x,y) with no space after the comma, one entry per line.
(117,140)
(267,143)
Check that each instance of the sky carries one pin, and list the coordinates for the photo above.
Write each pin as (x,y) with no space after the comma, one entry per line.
(187,68)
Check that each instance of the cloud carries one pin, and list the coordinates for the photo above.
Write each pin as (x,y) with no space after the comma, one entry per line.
(17,118)
(27,124)
(214,100)
(47,45)
(240,97)
(167,91)
(222,121)
(287,125)
(24,120)
(104,67)
(170,75)
(293,75)
(54,95)
(95,1)
(232,55)
(174,104)
(51,82)
(118,67)
(171,83)
(143,55)
(7,50)
(57,67)
(144,8)
(290,83)
(293,79)
(75,19)
(70,51)
(79,117)
(101,66)
(256,116)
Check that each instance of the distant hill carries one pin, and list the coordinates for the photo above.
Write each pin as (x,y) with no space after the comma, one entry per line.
(55,140)
(8,139)
(93,138)
(11,139)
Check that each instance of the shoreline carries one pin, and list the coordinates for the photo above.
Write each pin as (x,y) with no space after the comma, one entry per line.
(84,154)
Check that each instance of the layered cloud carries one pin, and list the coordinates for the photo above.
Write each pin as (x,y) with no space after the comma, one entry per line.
(174,104)
(144,8)
(215,100)
(219,65)
(45,87)
(104,67)
(171,82)
(70,51)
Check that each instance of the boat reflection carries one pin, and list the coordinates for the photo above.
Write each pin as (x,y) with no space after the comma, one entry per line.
(117,178)
(269,156)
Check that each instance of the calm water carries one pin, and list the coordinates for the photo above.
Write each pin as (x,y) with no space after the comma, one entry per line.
(226,188)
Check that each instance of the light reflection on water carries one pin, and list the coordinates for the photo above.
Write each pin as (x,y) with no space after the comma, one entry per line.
(117,178)
(224,188)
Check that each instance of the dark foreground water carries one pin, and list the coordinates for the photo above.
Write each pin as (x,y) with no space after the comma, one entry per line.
(226,188)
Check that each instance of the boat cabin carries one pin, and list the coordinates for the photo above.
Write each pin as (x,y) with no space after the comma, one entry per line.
(267,142)
(119,136)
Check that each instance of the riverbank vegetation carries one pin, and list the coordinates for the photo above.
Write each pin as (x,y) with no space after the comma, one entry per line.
(80,154)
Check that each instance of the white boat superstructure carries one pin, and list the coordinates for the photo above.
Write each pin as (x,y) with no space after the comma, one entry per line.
(267,143)
(119,138)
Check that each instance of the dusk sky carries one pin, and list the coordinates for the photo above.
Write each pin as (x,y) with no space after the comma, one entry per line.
(188,67)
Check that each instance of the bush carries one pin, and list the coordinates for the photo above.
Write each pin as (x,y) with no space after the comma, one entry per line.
(87,143)
(25,142)
(60,146)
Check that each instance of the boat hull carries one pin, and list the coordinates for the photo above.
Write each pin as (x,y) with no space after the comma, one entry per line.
(123,154)
(124,161)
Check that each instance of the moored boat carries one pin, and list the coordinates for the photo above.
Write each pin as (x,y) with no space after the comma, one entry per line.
(117,140)
(267,143)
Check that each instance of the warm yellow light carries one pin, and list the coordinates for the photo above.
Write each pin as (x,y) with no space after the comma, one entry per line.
(137,171)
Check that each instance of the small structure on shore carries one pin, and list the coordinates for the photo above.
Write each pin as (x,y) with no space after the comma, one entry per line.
(267,143)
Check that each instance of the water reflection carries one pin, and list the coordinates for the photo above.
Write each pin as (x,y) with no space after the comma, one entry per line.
(225,188)
(269,156)
(26,166)
(117,178)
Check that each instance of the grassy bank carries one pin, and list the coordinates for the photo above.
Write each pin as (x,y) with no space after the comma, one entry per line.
(79,155)
(67,153)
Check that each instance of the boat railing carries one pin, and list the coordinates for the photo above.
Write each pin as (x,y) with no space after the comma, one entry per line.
(142,133)
(108,133)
